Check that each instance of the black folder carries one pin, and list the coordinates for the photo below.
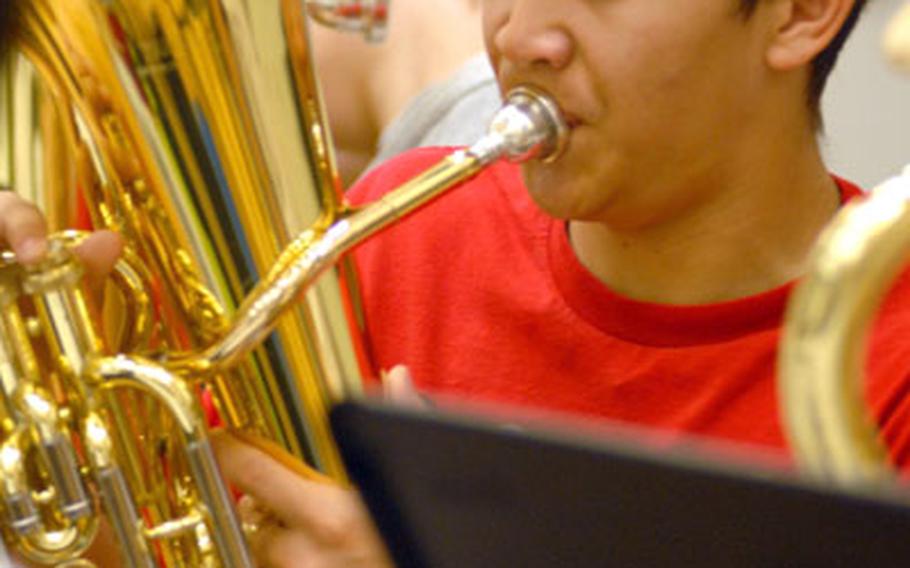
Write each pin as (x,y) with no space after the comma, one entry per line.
(456,491)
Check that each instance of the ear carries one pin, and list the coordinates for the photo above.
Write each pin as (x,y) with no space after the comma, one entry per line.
(803,29)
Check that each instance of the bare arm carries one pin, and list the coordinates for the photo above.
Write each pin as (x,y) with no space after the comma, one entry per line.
(24,230)
(343,64)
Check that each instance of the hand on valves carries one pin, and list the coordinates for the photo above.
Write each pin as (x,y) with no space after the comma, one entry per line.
(300,519)
(23,229)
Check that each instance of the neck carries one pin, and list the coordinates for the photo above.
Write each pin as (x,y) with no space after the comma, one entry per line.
(750,234)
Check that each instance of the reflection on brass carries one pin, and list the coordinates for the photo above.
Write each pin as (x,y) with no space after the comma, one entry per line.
(195,129)
(822,355)
(897,38)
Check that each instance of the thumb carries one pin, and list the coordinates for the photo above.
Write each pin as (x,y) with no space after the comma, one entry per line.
(296,500)
(98,253)
(22,227)
(398,387)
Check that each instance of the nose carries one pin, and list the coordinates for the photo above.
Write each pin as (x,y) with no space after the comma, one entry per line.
(529,34)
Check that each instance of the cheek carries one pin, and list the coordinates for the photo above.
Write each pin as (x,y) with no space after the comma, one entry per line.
(659,97)
(578,186)
(495,14)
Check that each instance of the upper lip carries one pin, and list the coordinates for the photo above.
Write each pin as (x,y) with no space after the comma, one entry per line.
(571,118)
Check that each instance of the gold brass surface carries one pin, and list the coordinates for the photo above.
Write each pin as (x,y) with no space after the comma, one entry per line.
(822,355)
(186,129)
(195,129)
(896,42)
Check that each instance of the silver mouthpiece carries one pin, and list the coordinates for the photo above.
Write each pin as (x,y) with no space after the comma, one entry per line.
(529,126)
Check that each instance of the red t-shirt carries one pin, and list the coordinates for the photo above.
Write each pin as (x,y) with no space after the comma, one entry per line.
(481,295)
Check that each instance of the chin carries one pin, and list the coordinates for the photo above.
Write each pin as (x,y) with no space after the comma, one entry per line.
(560,192)
(546,189)
(556,199)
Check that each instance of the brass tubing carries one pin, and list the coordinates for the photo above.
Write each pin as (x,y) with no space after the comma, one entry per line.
(69,330)
(268,300)
(176,527)
(60,460)
(180,401)
(528,126)
(115,495)
(21,513)
(39,412)
(226,528)
(822,355)
(17,356)
(129,278)
(56,452)
(51,547)
(39,543)
(822,352)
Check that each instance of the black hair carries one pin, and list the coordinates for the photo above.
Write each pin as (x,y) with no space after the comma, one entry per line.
(824,62)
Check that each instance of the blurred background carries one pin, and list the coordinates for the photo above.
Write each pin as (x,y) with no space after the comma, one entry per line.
(867,106)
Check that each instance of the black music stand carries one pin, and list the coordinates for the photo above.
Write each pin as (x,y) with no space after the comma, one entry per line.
(450,491)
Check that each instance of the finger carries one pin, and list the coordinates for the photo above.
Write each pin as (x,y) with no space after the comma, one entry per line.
(282,456)
(278,547)
(22,228)
(99,252)
(293,499)
(251,512)
(398,387)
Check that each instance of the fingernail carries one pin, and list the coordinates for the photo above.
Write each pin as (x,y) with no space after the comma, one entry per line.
(402,374)
(31,250)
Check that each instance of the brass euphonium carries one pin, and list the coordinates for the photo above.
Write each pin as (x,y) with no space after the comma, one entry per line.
(196,130)
(823,349)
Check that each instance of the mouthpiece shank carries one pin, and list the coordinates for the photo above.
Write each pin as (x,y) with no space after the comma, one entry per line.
(529,126)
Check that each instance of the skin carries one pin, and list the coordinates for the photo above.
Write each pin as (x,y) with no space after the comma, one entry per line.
(657,208)
(367,86)
(692,175)
(308,523)
(23,229)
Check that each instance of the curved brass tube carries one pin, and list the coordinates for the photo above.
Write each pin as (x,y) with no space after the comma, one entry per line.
(822,351)
(822,354)
(180,400)
(528,126)
(49,547)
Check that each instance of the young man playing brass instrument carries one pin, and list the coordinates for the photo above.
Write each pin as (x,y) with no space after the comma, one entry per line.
(641,277)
